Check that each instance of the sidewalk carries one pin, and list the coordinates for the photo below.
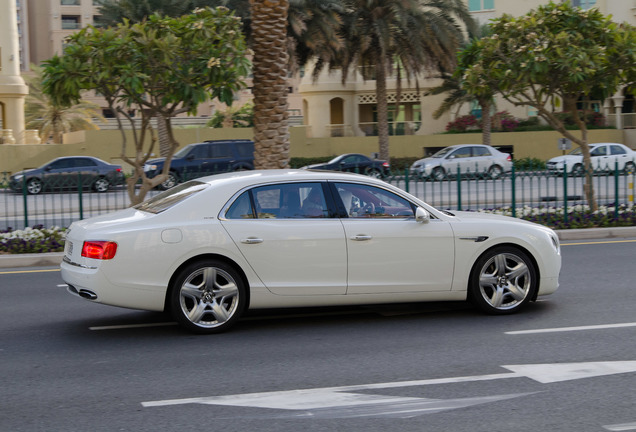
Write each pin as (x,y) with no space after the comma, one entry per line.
(55,258)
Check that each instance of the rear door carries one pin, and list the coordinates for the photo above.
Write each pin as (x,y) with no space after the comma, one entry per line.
(287,234)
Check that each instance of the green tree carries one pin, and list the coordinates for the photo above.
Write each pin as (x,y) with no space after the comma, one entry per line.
(413,36)
(553,57)
(114,12)
(233,117)
(159,67)
(53,120)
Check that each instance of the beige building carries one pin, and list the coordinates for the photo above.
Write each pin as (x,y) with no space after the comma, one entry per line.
(331,109)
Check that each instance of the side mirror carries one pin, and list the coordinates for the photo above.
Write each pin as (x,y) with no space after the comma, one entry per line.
(422,216)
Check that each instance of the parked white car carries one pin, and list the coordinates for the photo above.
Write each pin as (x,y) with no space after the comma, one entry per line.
(604,156)
(470,159)
(208,249)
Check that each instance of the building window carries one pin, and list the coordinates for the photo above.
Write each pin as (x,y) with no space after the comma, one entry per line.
(479,5)
(70,22)
(584,4)
(70,2)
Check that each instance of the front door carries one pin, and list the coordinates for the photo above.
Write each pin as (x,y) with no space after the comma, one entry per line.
(388,251)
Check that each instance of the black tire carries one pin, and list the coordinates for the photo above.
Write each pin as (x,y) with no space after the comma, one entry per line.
(577,170)
(375,173)
(502,281)
(438,174)
(208,296)
(34,186)
(171,181)
(101,185)
(495,172)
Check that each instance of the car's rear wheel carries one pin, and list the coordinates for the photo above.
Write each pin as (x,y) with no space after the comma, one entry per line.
(438,174)
(34,186)
(495,172)
(375,173)
(101,185)
(208,296)
(170,182)
(503,281)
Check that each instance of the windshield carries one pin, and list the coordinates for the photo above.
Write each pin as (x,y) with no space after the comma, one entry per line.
(184,151)
(336,159)
(171,197)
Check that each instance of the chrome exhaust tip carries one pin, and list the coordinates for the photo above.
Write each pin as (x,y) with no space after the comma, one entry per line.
(89,295)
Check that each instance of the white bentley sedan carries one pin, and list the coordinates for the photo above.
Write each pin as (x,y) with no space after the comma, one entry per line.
(211,248)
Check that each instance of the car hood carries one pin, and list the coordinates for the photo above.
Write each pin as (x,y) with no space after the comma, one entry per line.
(23,172)
(488,217)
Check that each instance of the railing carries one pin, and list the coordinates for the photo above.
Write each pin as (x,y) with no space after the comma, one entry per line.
(395,128)
(518,193)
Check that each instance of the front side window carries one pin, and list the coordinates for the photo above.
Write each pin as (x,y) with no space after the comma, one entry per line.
(463,152)
(599,151)
(363,201)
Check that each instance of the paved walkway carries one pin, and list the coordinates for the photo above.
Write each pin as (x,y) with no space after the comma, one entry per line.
(54,259)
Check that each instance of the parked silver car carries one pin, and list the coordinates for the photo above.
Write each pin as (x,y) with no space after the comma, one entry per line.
(604,156)
(470,159)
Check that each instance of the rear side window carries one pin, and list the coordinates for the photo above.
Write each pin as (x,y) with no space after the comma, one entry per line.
(245,149)
(171,197)
(220,151)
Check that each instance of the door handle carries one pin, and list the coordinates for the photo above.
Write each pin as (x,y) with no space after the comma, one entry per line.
(252,240)
(361,237)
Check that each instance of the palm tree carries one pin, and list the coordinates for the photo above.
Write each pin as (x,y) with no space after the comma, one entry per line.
(414,35)
(270,68)
(53,120)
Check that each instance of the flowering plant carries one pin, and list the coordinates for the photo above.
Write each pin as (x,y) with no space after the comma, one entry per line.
(32,240)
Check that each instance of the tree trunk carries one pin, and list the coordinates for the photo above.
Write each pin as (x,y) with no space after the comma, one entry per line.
(270,64)
(164,139)
(486,124)
(383,108)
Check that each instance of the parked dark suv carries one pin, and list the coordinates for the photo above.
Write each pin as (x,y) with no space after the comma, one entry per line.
(201,159)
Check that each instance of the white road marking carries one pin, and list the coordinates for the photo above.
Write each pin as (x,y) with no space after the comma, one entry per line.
(127,326)
(339,402)
(570,329)
(621,427)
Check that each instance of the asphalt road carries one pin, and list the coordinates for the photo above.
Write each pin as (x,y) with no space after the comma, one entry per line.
(568,363)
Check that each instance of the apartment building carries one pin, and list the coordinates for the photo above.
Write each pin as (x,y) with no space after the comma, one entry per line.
(325,107)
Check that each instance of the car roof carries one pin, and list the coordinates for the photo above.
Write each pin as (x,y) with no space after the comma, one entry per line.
(253,177)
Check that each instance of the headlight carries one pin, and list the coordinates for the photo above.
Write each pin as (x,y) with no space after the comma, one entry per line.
(556,243)
(18,177)
(150,167)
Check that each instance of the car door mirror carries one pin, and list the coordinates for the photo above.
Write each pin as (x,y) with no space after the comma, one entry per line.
(422,216)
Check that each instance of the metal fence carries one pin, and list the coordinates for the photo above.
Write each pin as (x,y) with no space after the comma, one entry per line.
(516,192)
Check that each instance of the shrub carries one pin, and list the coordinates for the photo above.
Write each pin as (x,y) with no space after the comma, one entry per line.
(32,240)
(462,124)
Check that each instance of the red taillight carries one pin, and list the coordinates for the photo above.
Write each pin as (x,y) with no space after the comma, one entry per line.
(509,158)
(102,250)
(385,164)
(118,170)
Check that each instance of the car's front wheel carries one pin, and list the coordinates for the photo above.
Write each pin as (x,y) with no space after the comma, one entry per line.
(170,182)
(208,296)
(503,281)
(438,174)
(34,186)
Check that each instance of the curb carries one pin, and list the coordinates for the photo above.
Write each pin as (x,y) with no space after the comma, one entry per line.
(55,258)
